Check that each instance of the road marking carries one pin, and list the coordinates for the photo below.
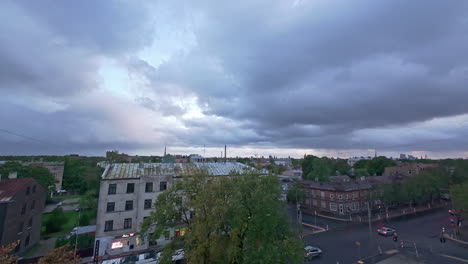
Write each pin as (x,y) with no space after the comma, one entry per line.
(452,257)
(314,226)
(391,251)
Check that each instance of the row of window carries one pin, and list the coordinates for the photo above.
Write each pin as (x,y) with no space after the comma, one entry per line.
(28,189)
(23,209)
(128,205)
(352,207)
(131,187)
(21,225)
(109,225)
(339,196)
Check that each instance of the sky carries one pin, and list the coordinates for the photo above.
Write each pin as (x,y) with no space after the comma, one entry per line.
(273,77)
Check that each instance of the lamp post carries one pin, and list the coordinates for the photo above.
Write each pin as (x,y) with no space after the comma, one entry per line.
(76,234)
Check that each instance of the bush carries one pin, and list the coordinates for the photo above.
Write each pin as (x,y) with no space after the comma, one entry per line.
(55,221)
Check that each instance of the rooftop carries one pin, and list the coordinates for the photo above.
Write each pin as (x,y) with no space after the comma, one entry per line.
(338,186)
(137,170)
(9,188)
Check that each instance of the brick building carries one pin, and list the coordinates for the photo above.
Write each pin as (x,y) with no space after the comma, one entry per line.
(21,204)
(341,195)
(56,168)
(407,170)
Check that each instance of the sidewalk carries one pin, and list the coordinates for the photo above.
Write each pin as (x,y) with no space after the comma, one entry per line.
(375,216)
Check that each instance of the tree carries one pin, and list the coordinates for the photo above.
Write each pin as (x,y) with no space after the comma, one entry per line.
(60,255)
(296,194)
(375,166)
(39,173)
(238,219)
(6,256)
(459,193)
(55,221)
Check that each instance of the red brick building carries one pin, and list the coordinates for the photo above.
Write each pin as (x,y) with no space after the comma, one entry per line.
(21,204)
(341,195)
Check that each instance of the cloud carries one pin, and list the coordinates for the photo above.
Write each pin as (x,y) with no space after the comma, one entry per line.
(330,75)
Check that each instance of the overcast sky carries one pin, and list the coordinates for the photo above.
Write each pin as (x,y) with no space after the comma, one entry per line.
(279,77)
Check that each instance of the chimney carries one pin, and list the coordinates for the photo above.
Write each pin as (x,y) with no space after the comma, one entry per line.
(225,157)
(13,175)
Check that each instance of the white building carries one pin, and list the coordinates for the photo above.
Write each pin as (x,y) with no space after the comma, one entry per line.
(127,195)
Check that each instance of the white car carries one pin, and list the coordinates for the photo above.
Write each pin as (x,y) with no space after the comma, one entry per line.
(312,252)
(177,257)
(385,231)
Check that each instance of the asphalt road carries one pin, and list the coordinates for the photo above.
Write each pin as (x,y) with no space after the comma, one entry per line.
(422,230)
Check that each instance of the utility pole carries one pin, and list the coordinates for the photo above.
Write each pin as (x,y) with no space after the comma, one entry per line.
(369,215)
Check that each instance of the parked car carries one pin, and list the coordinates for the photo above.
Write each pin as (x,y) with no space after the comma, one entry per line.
(386,231)
(312,252)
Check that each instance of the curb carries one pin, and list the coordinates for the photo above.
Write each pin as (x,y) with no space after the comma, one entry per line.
(455,240)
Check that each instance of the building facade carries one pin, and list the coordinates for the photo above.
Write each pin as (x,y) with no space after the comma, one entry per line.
(21,204)
(127,195)
(339,196)
(407,170)
(56,168)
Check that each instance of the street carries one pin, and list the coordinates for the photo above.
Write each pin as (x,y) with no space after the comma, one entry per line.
(348,242)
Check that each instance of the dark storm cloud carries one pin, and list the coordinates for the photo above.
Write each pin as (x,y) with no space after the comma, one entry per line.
(341,66)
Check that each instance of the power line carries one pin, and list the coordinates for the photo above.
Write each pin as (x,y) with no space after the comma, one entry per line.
(27,137)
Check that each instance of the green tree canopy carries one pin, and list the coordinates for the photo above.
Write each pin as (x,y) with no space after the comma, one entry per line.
(321,168)
(375,166)
(238,219)
(39,173)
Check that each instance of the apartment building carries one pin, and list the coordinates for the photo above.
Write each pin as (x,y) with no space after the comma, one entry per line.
(341,195)
(21,204)
(127,195)
(56,168)
(407,170)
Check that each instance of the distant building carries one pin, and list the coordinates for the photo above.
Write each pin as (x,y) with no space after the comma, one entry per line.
(341,195)
(195,158)
(411,157)
(56,168)
(283,162)
(21,204)
(407,170)
(127,195)
(402,156)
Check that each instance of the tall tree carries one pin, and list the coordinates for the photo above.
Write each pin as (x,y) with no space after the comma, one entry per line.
(39,173)
(238,219)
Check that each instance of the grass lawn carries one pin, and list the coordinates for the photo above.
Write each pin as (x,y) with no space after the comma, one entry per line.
(70,222)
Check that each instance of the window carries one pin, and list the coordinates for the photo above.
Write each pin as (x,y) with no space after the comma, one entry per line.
(340,196)
(28,190)
(27,241)
(148,204)
(162,186)
(23,210)
(149,187)
(33,204)
(353,206)
(346,196)
(192,214)
(332,195)
(409,171)
(333,207)
(353,195)
(314,202)
(112,189)
(34,188)
(313,192)
(20,228)
(127,223)
(110,207)
(30,223)
(130,187)
(108,226)
(324,205)
(128,205)
(322,194)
